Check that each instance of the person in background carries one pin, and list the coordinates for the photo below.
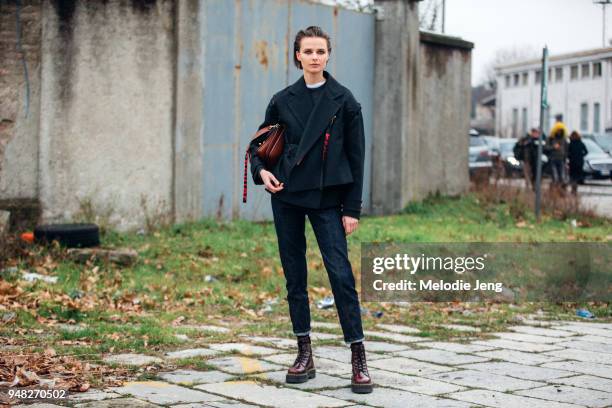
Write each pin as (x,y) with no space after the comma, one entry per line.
(557,152)
(576,152)
(526,150)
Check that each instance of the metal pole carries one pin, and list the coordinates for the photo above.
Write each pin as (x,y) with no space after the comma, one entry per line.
(443,16)
(543,111)
(603,34)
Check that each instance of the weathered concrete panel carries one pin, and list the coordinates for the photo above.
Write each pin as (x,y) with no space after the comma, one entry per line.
(19,108)
(444,115)
(107,108)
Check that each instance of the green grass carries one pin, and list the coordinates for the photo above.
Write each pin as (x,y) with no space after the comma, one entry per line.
(139,303)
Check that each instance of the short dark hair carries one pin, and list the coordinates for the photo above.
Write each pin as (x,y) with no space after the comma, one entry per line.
(559,117)
(312,31)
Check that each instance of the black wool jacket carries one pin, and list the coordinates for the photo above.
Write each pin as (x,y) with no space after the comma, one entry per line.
(301,166)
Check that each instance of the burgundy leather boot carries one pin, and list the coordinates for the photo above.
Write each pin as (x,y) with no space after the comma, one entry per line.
(361,383)
(303,368)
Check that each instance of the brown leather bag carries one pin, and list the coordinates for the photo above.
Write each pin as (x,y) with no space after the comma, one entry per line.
(270,142)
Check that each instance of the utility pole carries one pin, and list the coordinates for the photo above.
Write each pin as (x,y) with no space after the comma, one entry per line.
(444,15)
(543,111)
(603,3)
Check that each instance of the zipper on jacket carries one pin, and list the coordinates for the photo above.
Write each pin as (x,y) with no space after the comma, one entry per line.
(324,153)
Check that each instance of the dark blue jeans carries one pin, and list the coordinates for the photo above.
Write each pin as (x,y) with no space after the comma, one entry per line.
(290,222)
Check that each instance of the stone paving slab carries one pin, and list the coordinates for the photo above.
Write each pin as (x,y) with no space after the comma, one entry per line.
(115,403)
(490,381)
(461,348)
(408,366)
(586,381)
(410,383)
(600,370)
(395,337)
(190,377)
(583,329)
(323,365)
(588,346)
(93,395)
(278,342)
(323,336)
(518,345)
(441,356)
(326,325)
(384,397)
(571,395)
(131,359)
(519,371)
(243,365)
(396,328)
(460,327)
(272,396)
(583,323)
(342,354)
(383,347)
(529,338)
(593,339)
(243,348)
(582,355)
(159,392)
(218,404)
(205,327)
(320,381)
(189,353)
(38,405)
(519,357)
(537,331)
(498,399)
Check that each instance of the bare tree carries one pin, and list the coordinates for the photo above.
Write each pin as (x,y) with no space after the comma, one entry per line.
(429,15)
(506,56)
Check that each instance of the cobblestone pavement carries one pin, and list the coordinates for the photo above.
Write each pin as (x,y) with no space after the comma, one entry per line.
(536,364)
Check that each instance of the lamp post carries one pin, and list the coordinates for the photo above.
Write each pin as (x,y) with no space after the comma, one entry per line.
(603,3)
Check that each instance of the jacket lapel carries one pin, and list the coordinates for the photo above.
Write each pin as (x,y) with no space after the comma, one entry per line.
(299,103)
(320,116)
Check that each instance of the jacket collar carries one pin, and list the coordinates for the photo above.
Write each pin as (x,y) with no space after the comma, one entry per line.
(314,124)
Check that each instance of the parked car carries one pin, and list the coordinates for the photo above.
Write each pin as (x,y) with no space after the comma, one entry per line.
(480,160)
(597,163)
(512,167)
(604,140)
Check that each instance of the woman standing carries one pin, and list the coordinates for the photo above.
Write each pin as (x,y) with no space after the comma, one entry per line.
(576,152)
(319,175)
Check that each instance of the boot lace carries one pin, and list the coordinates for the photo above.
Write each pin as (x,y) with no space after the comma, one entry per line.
(303,352)
(359,360)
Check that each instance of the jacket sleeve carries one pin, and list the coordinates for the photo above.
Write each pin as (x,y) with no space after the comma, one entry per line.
(256,163)
(354,146)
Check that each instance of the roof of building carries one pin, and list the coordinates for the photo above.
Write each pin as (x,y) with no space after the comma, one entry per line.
(607,51)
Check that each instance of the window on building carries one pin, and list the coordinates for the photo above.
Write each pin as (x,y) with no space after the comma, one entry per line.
(559,74)
(507,81)
(585,70)
(525,78)
(547,124)
(538,76)
(596,69)
(549,78)
(515,122)
(596,120)
(524,122)
(574,72)
(516,80)
(584,117)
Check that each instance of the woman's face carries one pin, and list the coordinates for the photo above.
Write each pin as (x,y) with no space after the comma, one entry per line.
(313,54)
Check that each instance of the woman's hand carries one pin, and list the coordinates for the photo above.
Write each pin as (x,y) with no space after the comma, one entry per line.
(271,183)
(350,224)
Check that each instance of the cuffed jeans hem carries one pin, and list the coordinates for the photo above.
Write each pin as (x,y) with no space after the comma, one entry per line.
(348,343)
(303,334)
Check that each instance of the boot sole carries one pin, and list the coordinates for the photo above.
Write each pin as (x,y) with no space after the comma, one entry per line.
(300,378)
(362,388)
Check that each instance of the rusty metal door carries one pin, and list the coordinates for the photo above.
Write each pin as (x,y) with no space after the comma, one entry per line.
(248,49)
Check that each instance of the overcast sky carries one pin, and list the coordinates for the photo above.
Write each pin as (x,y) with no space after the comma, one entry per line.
(564,25)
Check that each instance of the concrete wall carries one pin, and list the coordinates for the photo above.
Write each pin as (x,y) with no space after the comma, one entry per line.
(422,110)
(19,110)
(107,109)
(444,115)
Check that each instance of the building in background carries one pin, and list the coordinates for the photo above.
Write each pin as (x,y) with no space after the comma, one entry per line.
(482,116)
(578,87)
